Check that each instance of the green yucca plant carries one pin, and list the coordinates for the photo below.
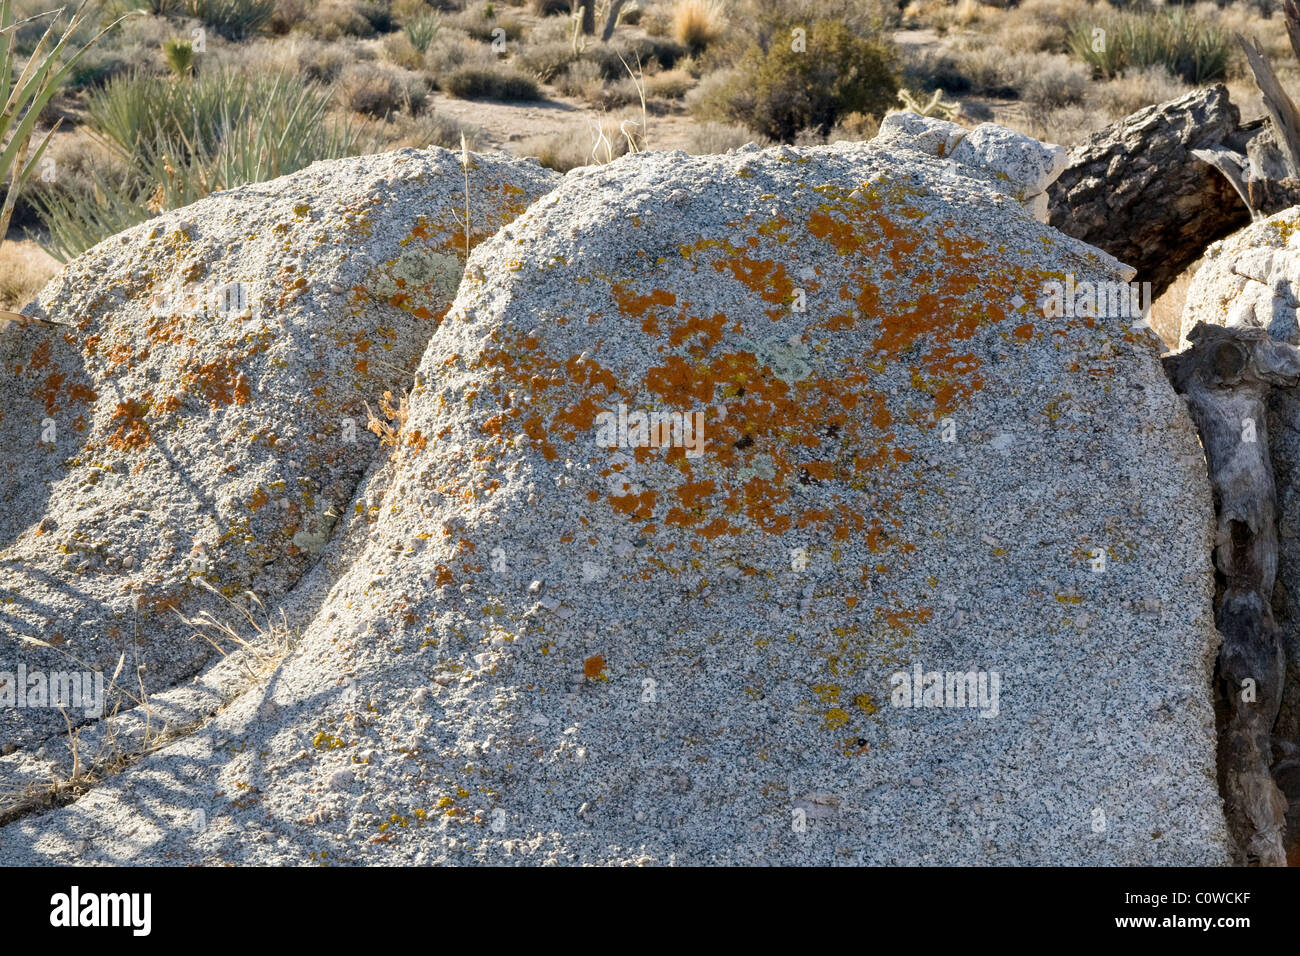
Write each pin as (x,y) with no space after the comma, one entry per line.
(422,30)
(179,55)
(25,96)
(233,19)
(1186,45)
(181,141)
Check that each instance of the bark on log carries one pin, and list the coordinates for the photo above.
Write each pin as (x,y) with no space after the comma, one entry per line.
(1226,376)
(1136,190)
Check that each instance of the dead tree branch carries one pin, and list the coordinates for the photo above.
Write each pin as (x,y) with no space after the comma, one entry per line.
(1226,377)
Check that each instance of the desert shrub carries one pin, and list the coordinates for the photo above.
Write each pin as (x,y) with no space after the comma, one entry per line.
(600,141)
(428,129)
(580,78)
(377,90)
(1138,89)
(1068,125)
(546,61)
(986,70)
(669,84)
(379,13)
(452,51)
(929,70)
(323,62)
(481,22)
(24,270)
(855,127)
(657,21)
(97,67)
(613,94)
(697,23)
(1054,81)
(1184,44)
(1035,36)
(717,138)
(405,10)
(233,19)
(397,49)
(286,15)
(550,8)
(778,91)
(332,19)
(648,51)
(478,84)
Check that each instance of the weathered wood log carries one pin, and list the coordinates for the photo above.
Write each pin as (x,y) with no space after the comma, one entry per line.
(1226,376)
(1283,112)
(1137,190)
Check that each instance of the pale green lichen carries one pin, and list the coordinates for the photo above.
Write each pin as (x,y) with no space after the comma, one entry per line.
(420,274)
(783,357)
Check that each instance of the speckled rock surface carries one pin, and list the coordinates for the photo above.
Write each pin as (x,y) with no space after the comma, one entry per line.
(1252,280)
(202,419)
(550,650)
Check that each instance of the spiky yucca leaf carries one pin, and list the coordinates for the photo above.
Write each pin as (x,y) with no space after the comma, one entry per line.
(26,96)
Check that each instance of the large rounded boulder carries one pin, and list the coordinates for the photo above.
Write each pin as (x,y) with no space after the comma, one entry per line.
(197,421)
(788,506)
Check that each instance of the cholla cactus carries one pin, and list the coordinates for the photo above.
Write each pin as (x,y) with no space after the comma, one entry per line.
(935,106)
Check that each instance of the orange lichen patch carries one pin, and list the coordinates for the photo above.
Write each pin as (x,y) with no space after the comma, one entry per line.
(903,621)
(766,277)
(131,434)
(693,493)
(40,356)
(638,506)
(48,392)
(631,304)
(583,415)
(1025,331)
(593,666)
(679,383)
(258,500)
(817,471)
(121,354)
(219,382)
(710,329)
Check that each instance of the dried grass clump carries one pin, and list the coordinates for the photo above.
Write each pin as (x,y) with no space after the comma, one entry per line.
(697,24)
